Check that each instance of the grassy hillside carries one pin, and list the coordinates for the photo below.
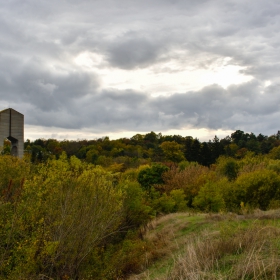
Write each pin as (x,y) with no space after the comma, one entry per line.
(220,246)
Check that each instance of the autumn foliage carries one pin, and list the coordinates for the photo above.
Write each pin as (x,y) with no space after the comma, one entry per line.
(79,211)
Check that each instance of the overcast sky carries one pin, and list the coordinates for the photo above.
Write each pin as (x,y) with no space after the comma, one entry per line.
(88,68)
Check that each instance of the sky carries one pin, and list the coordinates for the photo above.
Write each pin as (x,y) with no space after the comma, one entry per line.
(91,68)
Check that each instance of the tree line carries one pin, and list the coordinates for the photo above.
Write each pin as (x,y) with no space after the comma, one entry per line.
(151,147)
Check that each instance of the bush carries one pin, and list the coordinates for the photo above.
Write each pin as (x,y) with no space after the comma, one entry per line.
(165,204)
(137,212)
(275,153)
(151,176)
(258,188)
(179,197)
(209,198)
(13,172)
(66,210)
(227,167)
(189,180)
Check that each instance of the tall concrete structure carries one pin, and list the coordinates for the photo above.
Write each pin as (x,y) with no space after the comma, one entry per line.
(12,128)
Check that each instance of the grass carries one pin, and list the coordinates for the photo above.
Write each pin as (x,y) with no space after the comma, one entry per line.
(228,247)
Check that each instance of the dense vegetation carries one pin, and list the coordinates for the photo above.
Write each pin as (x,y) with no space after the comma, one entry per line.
(129,153)
(80,209)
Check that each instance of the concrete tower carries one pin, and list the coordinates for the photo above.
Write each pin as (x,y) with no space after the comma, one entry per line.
(12,128)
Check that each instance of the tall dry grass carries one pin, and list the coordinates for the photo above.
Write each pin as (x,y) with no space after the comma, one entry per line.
(250,253)
(214,246)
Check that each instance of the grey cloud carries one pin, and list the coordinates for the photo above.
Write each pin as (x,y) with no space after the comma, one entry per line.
(104,110)
(133,53)
(215,108)
(44,88)
(212,107)
(40,39)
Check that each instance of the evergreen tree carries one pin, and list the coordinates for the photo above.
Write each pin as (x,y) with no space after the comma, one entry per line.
(205,155)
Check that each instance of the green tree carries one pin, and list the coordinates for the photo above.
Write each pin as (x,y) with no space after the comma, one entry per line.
(6,149)
(228,167)
(205,155)
(275,153)
(209,198)
(172,151)
(237,136)
(188,144)
(137,211)
(180,200)
(66,210)
(216,148)
(196,151)
(92,155)
(164,204)
(151,176)
(258,188)
(151,137)
(231,149)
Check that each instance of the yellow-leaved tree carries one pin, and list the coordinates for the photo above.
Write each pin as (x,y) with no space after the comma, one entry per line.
(66,209)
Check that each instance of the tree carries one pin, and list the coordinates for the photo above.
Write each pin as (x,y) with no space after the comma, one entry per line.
(172,151)
(66,210)
(258,188)
(92,155)
(151,176)
(237,136)
(137,212)
(190,179)
(188,145)
(195,151)
(209,198)
(39,154)
(6,149)
(217,148)
(205,155)
(152,137)
(275,153)
(179,197)
(231,149)
(228,167)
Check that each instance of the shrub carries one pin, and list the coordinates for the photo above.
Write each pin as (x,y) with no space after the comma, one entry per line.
(227,167)
(164,204)
(209,198)
(258,188)
(275,153)
(151,176)
(13,173)
(189,180)
(66,210)
(136,210)
(179,197)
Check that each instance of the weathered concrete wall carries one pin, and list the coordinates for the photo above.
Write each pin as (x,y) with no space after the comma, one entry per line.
(12,127)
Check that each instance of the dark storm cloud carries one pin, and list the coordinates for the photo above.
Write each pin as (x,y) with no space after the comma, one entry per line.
(40,40)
